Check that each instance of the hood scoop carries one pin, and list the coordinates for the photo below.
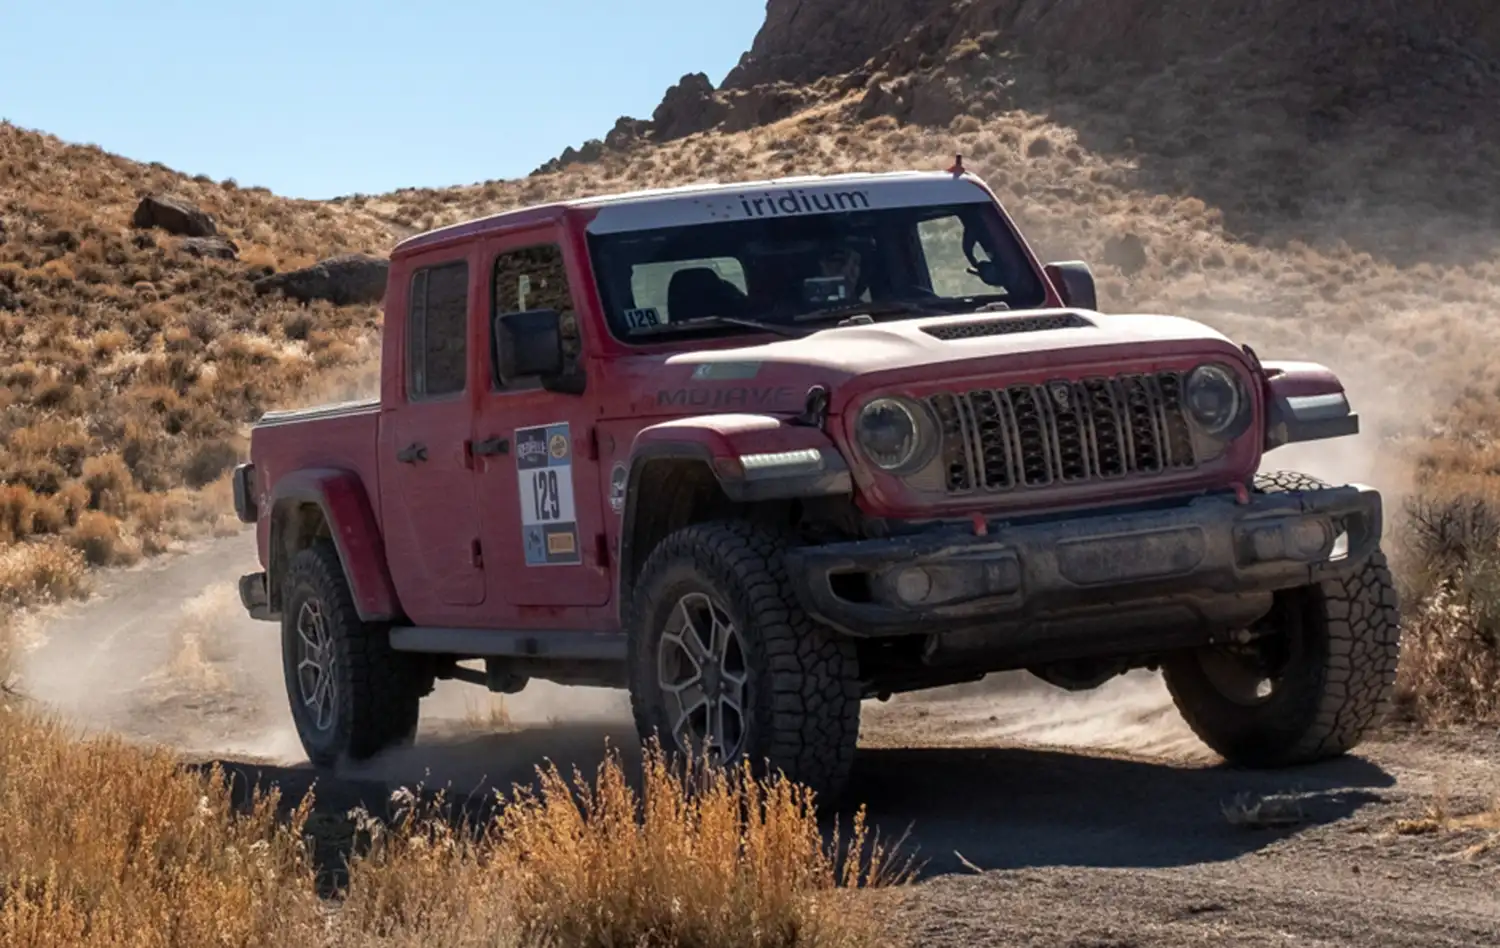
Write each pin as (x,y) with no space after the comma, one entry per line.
(1006,326)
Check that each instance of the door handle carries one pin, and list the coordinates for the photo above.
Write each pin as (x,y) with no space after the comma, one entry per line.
(492,446)
(412,453)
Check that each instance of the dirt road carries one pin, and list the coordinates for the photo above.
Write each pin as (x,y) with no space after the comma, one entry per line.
(1042,818)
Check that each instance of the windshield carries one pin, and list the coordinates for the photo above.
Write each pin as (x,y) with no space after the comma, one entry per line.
(798,272)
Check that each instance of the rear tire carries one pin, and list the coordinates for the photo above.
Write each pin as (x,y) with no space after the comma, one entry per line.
(1313,688)
(351,696)
(783,689)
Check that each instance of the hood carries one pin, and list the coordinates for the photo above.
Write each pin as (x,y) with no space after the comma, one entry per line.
(774,376)
(913,343)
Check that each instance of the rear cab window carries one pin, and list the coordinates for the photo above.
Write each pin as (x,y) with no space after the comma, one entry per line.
(437,325)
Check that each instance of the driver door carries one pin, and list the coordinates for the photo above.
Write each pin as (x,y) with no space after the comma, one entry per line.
(541,508)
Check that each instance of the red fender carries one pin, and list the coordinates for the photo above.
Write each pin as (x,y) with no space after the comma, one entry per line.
(1305,401)
(1300,379)
(754,457)
(346,508)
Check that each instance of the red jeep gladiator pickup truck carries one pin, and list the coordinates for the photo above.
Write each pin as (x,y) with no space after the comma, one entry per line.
(758,452)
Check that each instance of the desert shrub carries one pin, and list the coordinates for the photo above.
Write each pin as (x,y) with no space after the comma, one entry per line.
(109,484)
(97,537)
(41,571)
(210,461)
(1450,663)
(18,512)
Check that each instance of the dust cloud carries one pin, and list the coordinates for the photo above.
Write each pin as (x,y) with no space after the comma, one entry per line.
(1131,715)
(163,653)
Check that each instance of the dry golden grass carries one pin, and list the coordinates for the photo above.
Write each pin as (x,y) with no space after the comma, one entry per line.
(104,844)
(9,655)
(1440,818)
(1450,669)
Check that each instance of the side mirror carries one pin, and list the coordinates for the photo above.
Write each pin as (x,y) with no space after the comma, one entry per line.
(528,345)
(1075,283)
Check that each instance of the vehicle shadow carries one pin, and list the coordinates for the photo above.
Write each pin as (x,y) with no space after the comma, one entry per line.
(990,808)
(1011,808)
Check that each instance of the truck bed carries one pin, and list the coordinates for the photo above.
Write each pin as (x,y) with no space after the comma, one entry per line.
(319,412)
(343,436)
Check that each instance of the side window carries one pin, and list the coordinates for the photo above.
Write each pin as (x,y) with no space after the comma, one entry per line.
(437,323)
(650,283)
(533,278)
(943,245)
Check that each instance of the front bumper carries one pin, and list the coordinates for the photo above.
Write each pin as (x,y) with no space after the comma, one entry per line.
(1203,561)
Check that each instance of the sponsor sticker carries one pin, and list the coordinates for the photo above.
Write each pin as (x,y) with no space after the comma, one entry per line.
(549,521)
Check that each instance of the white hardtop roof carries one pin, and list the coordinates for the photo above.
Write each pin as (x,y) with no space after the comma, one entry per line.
(777,197)
(717,202)
(872,178)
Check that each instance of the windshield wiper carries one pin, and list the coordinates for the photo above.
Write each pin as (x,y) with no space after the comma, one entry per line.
(882,308)
(701,322)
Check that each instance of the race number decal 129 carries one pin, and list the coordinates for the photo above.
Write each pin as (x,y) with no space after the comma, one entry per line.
(544,469)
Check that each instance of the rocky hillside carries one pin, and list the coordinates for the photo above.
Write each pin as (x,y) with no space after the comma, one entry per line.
(144,321)
(1274,111)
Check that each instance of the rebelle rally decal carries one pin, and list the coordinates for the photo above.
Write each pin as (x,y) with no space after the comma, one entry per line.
(544,472)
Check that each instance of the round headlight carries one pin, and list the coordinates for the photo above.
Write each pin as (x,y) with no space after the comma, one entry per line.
(890,433)
(1214,398)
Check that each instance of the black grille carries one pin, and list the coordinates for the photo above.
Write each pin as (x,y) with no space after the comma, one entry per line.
(1063,432)
(1007,325)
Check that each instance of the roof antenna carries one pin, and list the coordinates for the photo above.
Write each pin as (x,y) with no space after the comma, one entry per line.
(958,166)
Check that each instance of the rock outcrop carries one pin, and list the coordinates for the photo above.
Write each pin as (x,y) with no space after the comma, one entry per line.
(1167,72)
(175,215)
(805,40)
(341,280)
(688,107)
(211,248)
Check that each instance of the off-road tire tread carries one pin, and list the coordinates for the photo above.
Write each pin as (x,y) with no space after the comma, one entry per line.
(382,700)
(813,673)
(1355,682)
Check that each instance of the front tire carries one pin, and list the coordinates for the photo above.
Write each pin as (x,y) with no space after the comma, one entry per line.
(723,660)
(351,696)
(1314,686)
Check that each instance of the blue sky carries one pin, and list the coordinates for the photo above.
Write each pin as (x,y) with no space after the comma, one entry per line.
(326,97)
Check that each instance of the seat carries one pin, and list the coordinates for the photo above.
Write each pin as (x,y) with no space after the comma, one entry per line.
(697,292)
